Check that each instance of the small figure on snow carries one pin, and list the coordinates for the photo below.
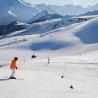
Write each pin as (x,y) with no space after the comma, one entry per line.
(71,87)
(33,56)
(62,76)
(13,67)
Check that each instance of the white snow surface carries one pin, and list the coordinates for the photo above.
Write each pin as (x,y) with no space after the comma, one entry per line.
(38,79)
(74,58)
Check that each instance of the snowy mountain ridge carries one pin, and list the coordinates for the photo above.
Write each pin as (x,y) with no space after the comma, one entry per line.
(82,36)
(18,10)
(68,9)
(44,22)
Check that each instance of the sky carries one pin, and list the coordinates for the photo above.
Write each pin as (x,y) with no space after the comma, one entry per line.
(83,3)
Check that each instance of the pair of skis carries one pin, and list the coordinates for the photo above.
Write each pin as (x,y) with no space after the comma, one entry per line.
(7,78)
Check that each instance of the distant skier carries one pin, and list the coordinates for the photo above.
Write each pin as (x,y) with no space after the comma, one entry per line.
(13,67)
(71,87)
(33,56)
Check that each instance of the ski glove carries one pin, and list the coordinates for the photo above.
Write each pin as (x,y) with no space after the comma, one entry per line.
(16,67)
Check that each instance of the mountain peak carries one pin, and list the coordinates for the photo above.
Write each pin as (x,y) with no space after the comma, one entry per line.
(21,10)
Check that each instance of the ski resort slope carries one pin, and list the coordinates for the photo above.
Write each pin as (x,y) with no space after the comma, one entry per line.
(69,54)
(38,79)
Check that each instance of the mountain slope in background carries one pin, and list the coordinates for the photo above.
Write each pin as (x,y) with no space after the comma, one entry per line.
(44,15)
(19,10)
(48,26)
(15,10)
(72,38)
(68,9)
(89,33)
(90,13)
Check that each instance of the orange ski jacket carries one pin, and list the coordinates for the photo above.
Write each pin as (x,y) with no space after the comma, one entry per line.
(13,64)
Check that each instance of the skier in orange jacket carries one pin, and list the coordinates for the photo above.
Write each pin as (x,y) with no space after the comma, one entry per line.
(13,67)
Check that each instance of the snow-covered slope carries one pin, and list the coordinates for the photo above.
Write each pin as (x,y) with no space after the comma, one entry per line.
(36,78)
(44,7)
(19,10)
(68,9)
(70,51)
(15,10)
(11,27)
(42,27)
(71,39)
(41,23)
(88,34)
(44,15)
(90,13)
(23,11)
(75,35)
(38,24)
